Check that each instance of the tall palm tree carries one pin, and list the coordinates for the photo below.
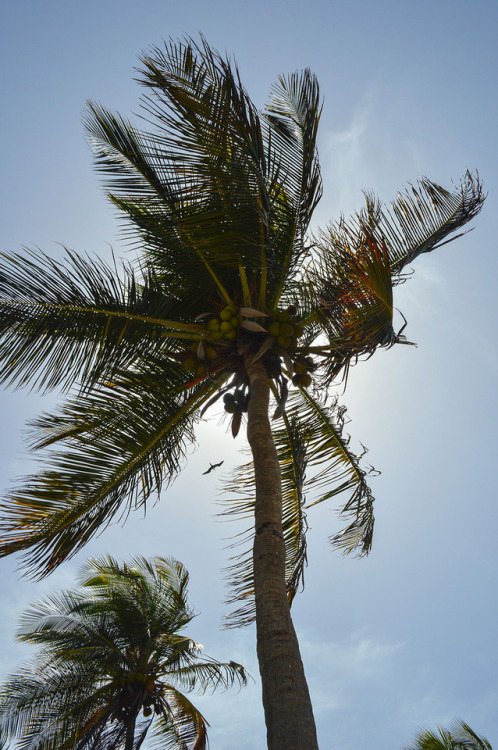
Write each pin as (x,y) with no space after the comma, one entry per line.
(230,298)
(461,737)
(113,664)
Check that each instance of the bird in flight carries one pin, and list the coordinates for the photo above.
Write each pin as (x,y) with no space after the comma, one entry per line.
(212,466)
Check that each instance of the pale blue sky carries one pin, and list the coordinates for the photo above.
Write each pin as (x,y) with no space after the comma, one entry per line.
(407,637)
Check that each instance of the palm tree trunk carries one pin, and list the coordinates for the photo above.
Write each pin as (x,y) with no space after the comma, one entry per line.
(288,711)
(130,732)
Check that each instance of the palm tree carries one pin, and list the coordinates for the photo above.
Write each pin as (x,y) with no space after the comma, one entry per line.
(113,664)
(461,737)
(230,298)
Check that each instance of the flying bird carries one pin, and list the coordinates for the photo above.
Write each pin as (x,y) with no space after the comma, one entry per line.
(212,466)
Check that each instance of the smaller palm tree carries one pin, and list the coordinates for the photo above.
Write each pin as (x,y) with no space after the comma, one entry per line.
(461,737)
(113,664)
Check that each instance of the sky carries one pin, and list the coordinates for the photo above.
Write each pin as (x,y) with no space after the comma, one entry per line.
(405,638)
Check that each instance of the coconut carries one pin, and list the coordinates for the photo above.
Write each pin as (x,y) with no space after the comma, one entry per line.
(213,325)
(284,341)
(190,364)
(226,314)
(211,352)
(286,329)
(284,316)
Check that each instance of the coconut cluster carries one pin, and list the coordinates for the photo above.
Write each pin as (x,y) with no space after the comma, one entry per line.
(285,329)
(198,357)
(276,331)
(224,325)
(238,401)
(136,685)
(303,367)
(133,678)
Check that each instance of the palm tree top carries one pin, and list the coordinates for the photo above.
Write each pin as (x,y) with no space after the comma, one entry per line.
(113,663)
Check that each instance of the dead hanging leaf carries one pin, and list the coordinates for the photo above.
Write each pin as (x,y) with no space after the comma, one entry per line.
(279,411)
(203,315)
(236,422)
(288,362)
(267,344)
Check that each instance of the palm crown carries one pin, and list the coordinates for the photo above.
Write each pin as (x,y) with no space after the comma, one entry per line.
(113,664)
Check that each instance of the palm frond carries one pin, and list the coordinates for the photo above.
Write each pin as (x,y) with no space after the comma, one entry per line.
(77,320)
(338,471)
(208,199)
(311,439)
(419,220)
(194,189)
(122,442)
(354,301)
(293,114)
(459,737)
(180,726)
(208,675)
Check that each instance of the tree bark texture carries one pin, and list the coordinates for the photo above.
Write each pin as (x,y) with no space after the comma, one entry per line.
(288,712)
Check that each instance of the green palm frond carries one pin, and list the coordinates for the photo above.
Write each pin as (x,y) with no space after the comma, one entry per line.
(459,737)
(47,703)
(194,187)
(310,441)
(167,208)
(77,320)
(207,675)
(180,726)
(121,443)
(293,113)
(337,469)
(206,201)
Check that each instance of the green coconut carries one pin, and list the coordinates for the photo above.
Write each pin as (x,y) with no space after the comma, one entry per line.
(190,364)
(286,329)
(284,341)
(211,352)
(213,325)
(226,314)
